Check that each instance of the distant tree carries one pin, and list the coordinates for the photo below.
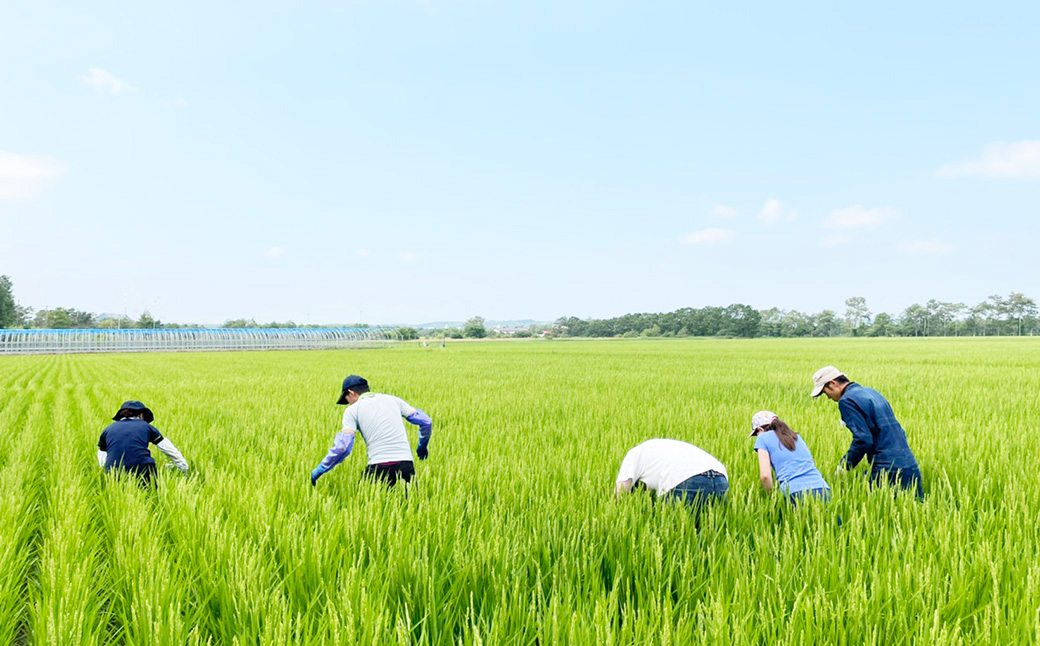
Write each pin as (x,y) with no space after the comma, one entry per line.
(795,323)
(652,331)
(408,333)
(523,334)
(914,321)
(9,316)
(741,320)
(857,315)
(112,323)
(453,333)
(771,322)
(1018,308)
(883,325)
(982,315)
(239,323)
(63,318)
(475,328)
(947,314)
(826,323)
(146,321)
(23,316)
(940,315)
(998,308)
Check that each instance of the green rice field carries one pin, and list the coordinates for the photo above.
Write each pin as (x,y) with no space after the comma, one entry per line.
(510,533)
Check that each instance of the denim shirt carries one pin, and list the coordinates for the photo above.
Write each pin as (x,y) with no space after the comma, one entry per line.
(876,433)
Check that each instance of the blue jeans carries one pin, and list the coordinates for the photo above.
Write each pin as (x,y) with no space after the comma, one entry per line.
(701,488)
(903,478)
(823,493)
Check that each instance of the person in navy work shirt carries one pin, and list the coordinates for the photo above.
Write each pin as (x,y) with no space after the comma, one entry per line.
(782,450)
(123,445)
(876,433)
(378,417)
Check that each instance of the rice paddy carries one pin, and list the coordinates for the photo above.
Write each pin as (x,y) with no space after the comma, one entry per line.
(510,534)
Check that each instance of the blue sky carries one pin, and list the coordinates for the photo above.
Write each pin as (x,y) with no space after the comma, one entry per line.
(405,161)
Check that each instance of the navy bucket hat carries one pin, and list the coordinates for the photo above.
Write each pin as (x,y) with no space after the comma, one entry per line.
(349,383)
(135,406)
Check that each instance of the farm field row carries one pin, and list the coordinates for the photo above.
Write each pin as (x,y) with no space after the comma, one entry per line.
(510,533)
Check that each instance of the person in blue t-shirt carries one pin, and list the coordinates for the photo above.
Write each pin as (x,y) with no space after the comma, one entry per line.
(782,450)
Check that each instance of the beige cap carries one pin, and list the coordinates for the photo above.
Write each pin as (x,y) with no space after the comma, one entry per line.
(822,377)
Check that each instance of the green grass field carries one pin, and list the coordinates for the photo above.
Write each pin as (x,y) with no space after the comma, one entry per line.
(510,534)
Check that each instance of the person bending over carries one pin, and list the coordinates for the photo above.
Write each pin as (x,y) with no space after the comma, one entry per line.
(123,445)
(782,450)
(674,469)
(378,418)
(876,433)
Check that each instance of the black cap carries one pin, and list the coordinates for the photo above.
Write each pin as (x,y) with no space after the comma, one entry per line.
(350,383)
(135,406)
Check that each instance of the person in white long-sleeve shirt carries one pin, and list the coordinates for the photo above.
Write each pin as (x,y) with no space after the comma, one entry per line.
(124,444)
(379,419)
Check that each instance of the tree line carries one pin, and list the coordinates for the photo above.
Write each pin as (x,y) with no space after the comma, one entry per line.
(1014,315)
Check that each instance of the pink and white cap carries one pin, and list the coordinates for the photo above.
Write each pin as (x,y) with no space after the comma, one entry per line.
(760,419)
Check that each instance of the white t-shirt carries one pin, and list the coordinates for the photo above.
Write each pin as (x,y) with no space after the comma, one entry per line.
(663,464)
(378,418)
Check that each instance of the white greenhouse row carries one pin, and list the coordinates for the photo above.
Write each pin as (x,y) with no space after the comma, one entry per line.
(185,339)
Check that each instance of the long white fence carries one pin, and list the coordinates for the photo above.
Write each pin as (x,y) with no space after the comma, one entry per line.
(189,339)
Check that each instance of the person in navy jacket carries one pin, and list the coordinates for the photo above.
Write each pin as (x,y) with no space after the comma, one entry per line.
(876,433)
(123,445)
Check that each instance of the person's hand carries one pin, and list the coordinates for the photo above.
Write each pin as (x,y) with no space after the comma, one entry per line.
(317,473)
(422,452)
(841,470)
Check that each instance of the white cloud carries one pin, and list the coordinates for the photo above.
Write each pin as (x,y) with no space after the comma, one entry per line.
(926,247)
(835,240)
(708,236)
(406,256)
(275,252)
(723,211)
(22,176)
(857,217)
(104,82)
(773,211)
(1016,160)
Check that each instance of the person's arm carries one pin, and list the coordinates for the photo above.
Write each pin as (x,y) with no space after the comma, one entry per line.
(862,438)
(627,475)
(170,451)
(102,450)
(425,424)
(102,453)
(765,470)
(342,445)
(622,487)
